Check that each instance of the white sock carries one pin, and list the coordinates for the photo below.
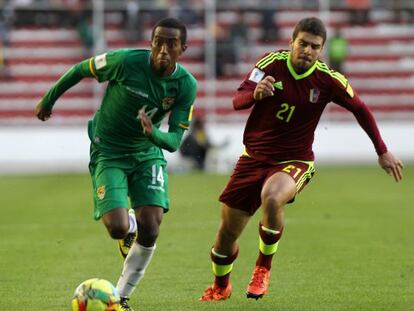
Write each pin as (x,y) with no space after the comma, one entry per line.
(132,221)
(135,264)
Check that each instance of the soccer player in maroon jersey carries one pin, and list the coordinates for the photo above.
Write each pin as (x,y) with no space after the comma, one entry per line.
(287,91)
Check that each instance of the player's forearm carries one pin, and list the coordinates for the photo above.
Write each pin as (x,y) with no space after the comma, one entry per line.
(367,122)
(71,77)
(243,100)
(169,141)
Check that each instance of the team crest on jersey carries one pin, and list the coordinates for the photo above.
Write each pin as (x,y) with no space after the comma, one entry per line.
(314,95)
(167,102)
(100,192)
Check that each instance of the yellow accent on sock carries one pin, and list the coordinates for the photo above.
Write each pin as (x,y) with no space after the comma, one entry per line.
(220,270)
(267,249)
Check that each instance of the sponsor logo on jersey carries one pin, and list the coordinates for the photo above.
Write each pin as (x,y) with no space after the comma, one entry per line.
(100,192)
(278,85)
(100,61)
(256,75)
(314,95)
(167,102)
(138,92)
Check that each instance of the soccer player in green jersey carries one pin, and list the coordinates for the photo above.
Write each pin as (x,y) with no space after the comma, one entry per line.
(127,164)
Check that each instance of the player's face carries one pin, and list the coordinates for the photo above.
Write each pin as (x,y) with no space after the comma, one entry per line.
(166,48)
(305,51)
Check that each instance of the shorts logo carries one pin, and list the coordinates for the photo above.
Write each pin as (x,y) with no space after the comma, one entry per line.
(167,102)
(100,192)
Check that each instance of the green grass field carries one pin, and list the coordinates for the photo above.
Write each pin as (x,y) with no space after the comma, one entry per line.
(348,245)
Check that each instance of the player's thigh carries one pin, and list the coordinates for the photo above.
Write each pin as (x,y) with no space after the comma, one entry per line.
(148,185)
(244,187)
(110,188)
(279,189)
(288,178)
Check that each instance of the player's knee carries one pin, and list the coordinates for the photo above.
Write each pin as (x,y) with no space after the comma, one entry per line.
(117,231)
(148,233)
(147,240)
(273,200)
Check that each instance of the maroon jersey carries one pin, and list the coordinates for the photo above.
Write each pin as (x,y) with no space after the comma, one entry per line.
(281,127)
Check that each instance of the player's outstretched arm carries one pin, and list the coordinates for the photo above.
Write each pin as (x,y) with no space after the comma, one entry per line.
(70,78)
(392,165)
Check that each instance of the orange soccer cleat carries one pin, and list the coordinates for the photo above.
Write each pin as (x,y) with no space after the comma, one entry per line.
(215,293)
(259,283)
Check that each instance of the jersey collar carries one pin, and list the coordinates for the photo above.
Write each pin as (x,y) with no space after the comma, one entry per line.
(303,75)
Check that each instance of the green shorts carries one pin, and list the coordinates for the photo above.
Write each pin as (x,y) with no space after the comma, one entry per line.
(127,182)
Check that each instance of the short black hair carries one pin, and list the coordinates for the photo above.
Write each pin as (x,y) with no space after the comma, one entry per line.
(170,22)
(311,25)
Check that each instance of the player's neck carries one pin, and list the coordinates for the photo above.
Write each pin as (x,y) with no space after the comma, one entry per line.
(162,73)
(298,71)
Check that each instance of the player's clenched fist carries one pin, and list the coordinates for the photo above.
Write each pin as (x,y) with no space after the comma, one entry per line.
(264,88)
(42,113)
(146,123)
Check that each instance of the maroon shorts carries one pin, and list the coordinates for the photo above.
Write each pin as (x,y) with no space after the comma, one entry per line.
(244,188)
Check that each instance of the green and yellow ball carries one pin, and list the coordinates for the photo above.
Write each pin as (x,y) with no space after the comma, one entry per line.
(96,295)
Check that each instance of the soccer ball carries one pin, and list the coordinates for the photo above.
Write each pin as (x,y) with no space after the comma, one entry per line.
(96,295)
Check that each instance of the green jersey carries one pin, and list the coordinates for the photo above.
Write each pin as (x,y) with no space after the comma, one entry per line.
(132,86)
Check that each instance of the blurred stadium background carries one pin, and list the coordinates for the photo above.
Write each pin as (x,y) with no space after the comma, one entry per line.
(40,39)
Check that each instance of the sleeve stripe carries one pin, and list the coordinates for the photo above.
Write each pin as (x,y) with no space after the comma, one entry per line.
(190,115)
(91,68)
(183,126)
(270,58)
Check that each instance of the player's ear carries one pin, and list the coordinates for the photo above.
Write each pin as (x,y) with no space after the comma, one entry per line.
(184,47)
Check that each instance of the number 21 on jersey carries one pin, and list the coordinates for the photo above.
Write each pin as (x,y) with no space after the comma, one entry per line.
(285,112)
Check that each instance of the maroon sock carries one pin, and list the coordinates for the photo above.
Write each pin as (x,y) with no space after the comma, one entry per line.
(222,281)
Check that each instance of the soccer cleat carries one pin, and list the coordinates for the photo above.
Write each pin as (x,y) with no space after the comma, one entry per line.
(125,244)
(215,293)
(124,304)
(259,283)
